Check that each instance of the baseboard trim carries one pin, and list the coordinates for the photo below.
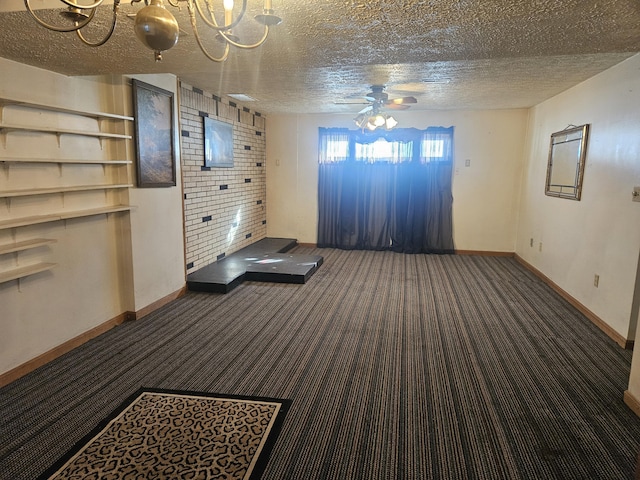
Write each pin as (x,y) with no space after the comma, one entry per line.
(21,370)
(483,253)
(308,245)
(632,402)
(597,321)
(156,305)
(27,367)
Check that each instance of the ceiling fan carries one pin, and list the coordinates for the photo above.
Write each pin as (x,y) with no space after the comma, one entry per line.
(379,98)
(373,116)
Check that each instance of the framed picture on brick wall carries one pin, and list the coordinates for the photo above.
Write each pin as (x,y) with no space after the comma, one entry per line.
(218,143)
(155,166)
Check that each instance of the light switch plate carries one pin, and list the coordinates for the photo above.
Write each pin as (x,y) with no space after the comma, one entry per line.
(636,194)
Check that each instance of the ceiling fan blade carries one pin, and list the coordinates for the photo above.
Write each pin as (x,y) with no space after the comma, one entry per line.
(397,106)
(366,109)
(401,101)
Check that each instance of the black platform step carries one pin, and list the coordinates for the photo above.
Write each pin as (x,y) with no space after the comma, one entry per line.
(283,268)
(263,261)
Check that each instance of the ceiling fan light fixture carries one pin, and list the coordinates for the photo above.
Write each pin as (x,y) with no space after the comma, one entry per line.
(375,121)
(390,122)
(378,120)
(373,116)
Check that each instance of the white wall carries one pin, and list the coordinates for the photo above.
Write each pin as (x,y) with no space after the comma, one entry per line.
(107,264)
(157,238)
(600,234)
(485,193)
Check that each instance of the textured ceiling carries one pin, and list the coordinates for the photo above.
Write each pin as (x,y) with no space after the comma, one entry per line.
(449,54)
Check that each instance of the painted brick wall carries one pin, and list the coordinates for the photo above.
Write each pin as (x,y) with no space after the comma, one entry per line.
(225,208)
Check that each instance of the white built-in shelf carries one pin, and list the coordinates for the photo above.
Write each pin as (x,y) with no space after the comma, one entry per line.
(61,131)
(55,217)
(50,190)
(101,131)
(25,271)
(65,160)
(43,106)
(25,245)
(94,211)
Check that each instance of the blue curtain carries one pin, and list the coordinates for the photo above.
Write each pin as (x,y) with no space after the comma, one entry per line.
(397,200)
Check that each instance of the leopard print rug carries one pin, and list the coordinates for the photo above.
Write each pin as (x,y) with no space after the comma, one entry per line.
(173,436)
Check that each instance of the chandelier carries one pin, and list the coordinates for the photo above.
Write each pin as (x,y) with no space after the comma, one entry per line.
(156,27)
(375,119)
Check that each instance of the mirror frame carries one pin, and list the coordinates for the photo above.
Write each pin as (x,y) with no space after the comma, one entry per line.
(574,138)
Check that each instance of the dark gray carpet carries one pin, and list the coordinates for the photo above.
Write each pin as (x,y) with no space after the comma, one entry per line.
(399,367)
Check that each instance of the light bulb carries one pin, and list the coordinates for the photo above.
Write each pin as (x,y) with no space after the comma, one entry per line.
(228,11)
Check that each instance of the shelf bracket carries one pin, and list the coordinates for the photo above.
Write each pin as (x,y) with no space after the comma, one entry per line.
(58,135)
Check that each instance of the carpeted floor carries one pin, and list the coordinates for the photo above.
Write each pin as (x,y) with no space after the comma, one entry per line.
(398,367)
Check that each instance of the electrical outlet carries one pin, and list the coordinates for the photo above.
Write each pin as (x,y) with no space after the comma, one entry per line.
(467,163)
(596,280)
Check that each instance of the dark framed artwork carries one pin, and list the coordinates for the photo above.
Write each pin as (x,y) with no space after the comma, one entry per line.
(218,143)
(153,106)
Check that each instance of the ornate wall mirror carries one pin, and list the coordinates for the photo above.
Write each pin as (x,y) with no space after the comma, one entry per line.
(565,169)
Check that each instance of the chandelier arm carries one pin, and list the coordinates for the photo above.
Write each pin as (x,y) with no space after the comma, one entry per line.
(54,28)
(212,23)
(176,4)
(83,7)
(116,6)
(192,15)
(240,45)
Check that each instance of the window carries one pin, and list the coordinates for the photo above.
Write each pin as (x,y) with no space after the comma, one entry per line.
(387,191)
(435,144)
(383,150)
(432,149)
